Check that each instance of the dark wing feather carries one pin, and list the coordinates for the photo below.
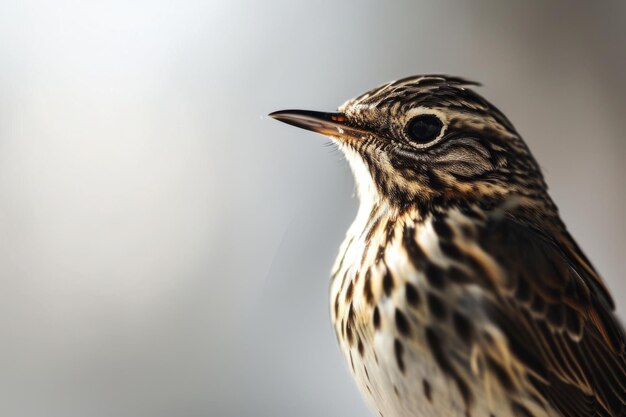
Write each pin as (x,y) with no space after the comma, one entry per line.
(558,318)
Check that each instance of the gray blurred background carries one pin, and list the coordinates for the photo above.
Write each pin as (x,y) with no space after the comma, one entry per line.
(165,247)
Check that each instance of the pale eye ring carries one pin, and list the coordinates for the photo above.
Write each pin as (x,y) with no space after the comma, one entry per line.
(424,128)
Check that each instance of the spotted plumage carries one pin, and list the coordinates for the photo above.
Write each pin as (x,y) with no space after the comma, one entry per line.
(458,290)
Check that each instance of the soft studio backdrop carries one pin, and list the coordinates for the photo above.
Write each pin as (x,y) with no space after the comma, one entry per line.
(165,247)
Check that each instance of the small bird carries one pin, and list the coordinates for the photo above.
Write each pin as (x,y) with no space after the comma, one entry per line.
(458,290)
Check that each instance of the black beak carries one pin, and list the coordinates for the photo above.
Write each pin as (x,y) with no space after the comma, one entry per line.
(329,124)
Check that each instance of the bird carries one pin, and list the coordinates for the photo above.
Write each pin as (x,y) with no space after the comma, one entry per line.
(458,290)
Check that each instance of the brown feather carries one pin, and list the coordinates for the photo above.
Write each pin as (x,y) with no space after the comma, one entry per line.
(590,370)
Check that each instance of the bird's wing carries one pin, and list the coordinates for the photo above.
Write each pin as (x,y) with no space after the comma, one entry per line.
(557,317)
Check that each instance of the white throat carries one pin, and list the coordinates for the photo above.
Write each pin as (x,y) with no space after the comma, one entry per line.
(369,197)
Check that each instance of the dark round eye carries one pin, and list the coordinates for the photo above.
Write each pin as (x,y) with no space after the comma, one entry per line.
(424,128)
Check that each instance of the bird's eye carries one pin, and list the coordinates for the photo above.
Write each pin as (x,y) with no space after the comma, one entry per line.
(424,128)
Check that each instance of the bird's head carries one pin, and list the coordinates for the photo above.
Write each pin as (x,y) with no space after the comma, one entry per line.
(427,141)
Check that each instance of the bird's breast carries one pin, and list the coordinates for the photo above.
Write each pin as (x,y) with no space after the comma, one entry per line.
(403,311)
(379,309)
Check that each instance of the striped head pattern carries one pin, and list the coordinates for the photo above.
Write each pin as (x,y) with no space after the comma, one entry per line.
(428,141)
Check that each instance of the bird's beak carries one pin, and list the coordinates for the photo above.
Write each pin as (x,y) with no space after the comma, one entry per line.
(335,125)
